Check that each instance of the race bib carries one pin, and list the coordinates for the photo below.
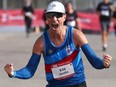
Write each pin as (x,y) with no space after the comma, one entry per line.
(62,72)
(28,14)
(71,23)
(105,13)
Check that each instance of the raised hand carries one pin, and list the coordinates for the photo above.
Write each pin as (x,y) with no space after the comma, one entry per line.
(107,60)
(9,69)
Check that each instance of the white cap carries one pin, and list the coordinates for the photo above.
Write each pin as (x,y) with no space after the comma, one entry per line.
(55,6)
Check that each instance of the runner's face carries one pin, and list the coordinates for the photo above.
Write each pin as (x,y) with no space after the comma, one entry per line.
(55,20)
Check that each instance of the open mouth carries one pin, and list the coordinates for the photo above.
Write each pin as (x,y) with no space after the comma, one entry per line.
(55,25)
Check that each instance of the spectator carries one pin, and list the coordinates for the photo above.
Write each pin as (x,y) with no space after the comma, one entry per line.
(104,10)
(114,19)
(45,21)
(28,12)
(72,17)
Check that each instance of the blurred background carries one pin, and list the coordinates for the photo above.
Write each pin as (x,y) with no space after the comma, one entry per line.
(10,13)
(16,49)
(82,5)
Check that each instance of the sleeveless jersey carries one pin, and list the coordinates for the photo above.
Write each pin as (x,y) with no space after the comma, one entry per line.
(63,64)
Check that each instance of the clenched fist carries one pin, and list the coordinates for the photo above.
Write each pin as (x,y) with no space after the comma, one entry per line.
(9,69)
(107,60)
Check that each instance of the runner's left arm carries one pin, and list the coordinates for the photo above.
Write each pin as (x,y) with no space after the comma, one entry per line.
(28,71)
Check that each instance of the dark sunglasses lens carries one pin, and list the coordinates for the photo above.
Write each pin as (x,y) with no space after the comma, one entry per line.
(58,15)
(49,16)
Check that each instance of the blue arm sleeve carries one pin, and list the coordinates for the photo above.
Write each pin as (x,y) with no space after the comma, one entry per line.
(95,61)
(28,71)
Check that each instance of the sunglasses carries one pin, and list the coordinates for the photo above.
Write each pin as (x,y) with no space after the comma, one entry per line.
(52,14)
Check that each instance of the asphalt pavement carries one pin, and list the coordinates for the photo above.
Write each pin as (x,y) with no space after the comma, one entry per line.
(16,48)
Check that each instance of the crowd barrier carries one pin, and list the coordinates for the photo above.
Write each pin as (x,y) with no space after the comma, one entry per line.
(89,21)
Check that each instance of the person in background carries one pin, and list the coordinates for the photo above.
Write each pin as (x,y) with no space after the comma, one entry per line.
(72,16)
(45,21)
(28,12)
(61,47)
(104,10)
(114,19)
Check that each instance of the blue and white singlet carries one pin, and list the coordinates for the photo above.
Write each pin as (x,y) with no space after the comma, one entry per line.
(63,64)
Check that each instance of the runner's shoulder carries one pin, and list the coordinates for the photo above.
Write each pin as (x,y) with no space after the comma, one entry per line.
(38,46)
